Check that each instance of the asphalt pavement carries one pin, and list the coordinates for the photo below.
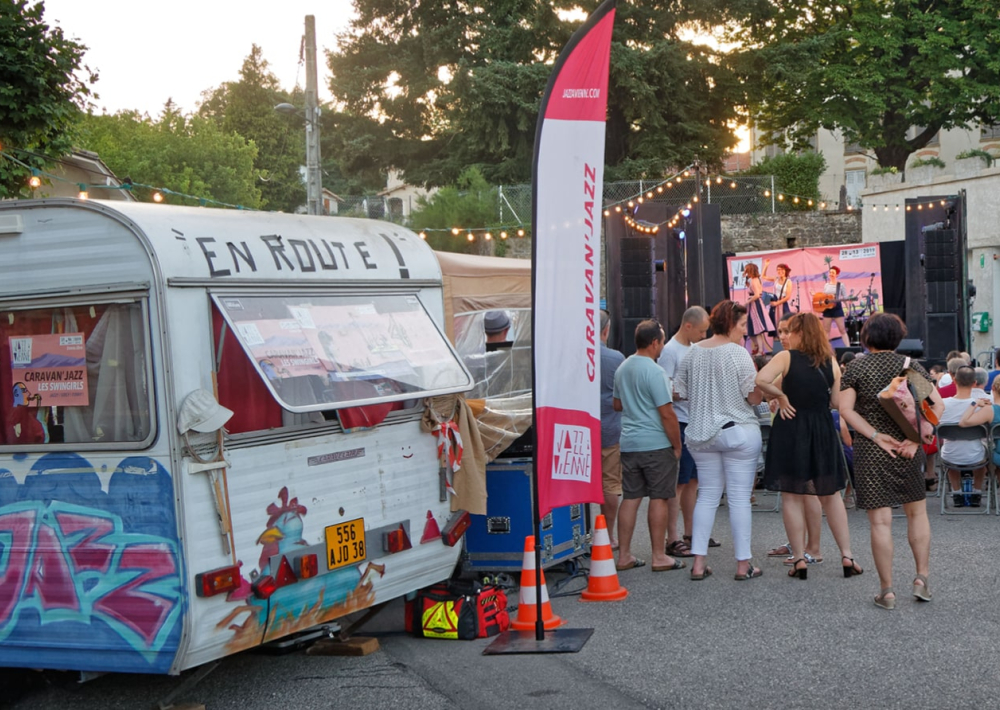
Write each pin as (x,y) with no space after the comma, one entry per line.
(673,643)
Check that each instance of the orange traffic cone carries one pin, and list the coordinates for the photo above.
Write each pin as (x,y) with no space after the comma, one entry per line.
(603,583)
(527,605)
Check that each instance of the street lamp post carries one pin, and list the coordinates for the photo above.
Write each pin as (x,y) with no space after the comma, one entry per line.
(314,180)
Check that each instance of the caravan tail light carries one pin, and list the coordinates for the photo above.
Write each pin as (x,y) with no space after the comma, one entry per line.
(456,526)
(308,566)
(218,581)
(396,540)
(265,586)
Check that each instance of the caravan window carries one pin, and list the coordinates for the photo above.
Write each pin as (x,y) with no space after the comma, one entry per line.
(75,375)
(335,351)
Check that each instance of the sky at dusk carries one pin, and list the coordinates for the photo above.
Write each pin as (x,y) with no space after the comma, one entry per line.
(146,53)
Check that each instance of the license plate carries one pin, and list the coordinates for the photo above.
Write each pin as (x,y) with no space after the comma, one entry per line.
(345,543)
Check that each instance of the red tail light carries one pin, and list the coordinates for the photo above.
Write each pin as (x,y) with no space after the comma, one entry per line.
(396,540)
(284,575)
(456,526)
(265,586)
(308,566)
(218,581)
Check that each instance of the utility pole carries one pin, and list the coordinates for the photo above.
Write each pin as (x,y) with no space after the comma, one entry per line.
(314,178)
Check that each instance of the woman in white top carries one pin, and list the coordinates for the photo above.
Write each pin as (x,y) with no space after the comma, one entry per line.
(723,435)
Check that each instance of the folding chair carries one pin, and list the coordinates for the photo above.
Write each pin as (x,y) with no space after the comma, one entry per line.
(954,432)
(765,436)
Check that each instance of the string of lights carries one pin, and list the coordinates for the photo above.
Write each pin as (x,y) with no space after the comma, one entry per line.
(35,182)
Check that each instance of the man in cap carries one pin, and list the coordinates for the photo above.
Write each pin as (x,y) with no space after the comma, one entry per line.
(496,324)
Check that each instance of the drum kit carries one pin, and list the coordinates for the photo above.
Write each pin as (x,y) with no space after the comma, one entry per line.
(862,307)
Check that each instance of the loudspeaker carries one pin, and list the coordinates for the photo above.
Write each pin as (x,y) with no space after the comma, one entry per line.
(914,347)
(942,333)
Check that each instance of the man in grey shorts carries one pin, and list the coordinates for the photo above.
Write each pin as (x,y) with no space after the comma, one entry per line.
(650,446)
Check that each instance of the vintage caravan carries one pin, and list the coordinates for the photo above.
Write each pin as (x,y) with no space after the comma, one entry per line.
(211,429)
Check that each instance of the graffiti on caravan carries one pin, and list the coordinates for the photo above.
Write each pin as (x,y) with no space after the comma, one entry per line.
(302,255)
(89,568)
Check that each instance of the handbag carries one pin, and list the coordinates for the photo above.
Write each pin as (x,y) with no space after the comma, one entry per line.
(900,401)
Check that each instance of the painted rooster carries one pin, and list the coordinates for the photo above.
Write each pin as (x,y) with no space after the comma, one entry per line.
(284,530)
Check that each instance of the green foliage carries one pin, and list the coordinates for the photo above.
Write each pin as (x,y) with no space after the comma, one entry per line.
(794,174)
(976,153)
(41,95)
(870,69)
(891,170)
(431,88)
(933,160)
(470,203)
(188,154)
(246,108)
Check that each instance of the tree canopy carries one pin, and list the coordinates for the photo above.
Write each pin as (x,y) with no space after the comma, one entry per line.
(186,154)
(471,202)
(41,94)
(432,87)
(888,74)
(246,108)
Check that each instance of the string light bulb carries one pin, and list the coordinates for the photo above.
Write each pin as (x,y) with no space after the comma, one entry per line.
(618,208)
(455,231)
(781,198)
(34,182)
(488,236)
(767,193)
(520,232)
(84,195)
(157,197)
(649,195)
(732,185)
(503,235)
(631,204)
(607,213)
(795,199)
(423,235)
(471,237)
(694,199)
(659,189)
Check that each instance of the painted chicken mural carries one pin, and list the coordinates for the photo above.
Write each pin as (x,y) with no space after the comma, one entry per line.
(304,603)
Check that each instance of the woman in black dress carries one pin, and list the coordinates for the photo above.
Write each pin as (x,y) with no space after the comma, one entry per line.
(888,469)
(804,455)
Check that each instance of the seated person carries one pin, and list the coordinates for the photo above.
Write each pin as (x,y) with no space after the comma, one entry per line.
(995,371)
(982,380)
(961,452)
(936,373)
(987,412)
(946,385)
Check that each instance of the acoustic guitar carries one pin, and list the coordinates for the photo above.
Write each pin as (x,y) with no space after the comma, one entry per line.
(823,301)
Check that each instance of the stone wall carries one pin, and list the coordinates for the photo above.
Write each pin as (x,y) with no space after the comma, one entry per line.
(789,230)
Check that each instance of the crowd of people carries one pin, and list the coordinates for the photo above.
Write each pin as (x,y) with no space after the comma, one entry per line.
(682,421)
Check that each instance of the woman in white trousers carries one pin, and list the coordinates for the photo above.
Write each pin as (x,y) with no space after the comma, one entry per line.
(723,434)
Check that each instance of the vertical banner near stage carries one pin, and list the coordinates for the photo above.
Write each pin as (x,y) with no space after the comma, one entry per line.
(568,180)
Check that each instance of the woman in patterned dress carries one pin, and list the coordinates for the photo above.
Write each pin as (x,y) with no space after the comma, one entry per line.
(758,321)
(888,468)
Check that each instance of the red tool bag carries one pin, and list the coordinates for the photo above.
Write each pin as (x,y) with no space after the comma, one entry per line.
(458,610)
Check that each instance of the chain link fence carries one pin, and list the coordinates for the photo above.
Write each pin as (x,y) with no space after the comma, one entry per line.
(758,194)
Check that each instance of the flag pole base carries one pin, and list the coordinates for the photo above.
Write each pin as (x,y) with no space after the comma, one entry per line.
(554,641)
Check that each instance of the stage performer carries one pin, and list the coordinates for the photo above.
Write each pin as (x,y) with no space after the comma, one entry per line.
(758,321)
(834,314)
(782,292)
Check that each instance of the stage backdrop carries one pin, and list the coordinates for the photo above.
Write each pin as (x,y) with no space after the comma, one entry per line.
(860,273)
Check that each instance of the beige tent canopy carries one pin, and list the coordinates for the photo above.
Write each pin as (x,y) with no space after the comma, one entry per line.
(479,283)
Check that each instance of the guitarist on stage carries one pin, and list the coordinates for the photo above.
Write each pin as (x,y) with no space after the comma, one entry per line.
(834,312)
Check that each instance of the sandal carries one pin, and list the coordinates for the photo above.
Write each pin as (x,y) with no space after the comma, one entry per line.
(751,573)
(802,573)
(921,591)
(782,550)
(631,565)
(883,602)
(679,548)
(712,542)
(852,569)
(707,572)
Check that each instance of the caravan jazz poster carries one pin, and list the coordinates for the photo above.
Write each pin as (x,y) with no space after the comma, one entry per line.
(49,370)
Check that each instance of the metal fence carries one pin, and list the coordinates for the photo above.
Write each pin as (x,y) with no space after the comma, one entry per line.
(758,194)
